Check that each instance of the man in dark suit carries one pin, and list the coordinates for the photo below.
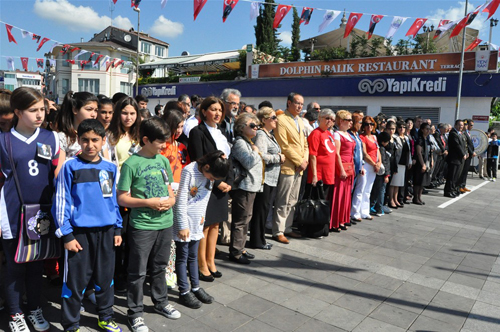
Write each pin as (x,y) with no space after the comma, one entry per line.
(456,155)
(441,154)
(469,124)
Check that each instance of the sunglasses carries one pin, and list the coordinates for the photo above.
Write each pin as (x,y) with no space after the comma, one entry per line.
(317,108)
(330,119)
(253,125)
(349,120)
(369,124)
(274,117)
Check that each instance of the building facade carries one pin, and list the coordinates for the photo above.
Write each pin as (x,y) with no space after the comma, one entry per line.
(17,79)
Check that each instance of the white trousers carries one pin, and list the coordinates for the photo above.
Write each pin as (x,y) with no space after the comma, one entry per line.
(361,195)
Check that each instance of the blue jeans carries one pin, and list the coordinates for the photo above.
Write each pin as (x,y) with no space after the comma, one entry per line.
(186,257)
(377,195)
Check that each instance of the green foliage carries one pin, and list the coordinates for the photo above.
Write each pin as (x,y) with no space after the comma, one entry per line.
(266,39)
(242,58)
(222,76)
(295,52)
(330,53)
(423,44)
(494,111)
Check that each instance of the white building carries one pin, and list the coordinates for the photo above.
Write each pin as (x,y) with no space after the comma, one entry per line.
(17,79)
(116,43)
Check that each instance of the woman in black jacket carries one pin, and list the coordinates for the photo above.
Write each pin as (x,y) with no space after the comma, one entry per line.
(205,138)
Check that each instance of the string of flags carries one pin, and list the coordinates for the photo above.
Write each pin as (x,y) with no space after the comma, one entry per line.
(489,7)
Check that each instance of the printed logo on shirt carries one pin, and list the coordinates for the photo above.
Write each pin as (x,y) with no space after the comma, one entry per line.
(106,185)
(44,151)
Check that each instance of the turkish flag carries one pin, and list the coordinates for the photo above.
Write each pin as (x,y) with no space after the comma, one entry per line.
(39,63)
(491,8)
(65,49)
(71,61)
(473,44)
(119,63)
(228,8)
(108,64)
(416,26)
(44,40)
(280,14)
(306,15)
(9,33)
(198,6)
(135,3)
(459,26)
(74,49)
(24,61)
(373,23)
(83,63)
(98,58)
(440,30)
(351,23)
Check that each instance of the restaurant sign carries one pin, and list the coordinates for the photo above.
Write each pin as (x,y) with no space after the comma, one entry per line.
(422,63)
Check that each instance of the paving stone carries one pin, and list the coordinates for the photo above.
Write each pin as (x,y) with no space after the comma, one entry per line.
(483,317)
(424,323)
(225,293)
(317,326)
(411,297)
(461,290)
(306,305)
(466,280)
(274,293)
(359,304)
(256,325)
(373,325)
(426,281)
(224,319)
(288,319)
(340,317)
(435,272)
(251,305)
(394,315)
(384,282)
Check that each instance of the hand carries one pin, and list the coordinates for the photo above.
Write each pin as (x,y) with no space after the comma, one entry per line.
(73,245)
(303,166)
(282,158)
(224,187)
(474,154)
(445,152)
(386,180)
(183,234)
(343,175)
(314,180)
(465,157)
(413,162)
(255,148)
(376,167)
(157,204)
(424,168)
(362,172)
(118,240)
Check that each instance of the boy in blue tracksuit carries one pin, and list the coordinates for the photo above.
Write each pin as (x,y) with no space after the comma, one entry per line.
(89,222)
(492,154)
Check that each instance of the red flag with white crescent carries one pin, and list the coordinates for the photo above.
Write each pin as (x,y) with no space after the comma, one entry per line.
(306,15)
(91,55)
(473,15)
(39,63)
(9,33)
(65,49)
(459,26)
(373,23)
(351,23)
(228,8)
(24,61)
(98,58)
(198,6)
(71,61)
(473,45)
(74,49)
(44,40)
(416,26)
(119,63)
(280,14)
(491,8)
(135,3)
(83,63)
(108,64)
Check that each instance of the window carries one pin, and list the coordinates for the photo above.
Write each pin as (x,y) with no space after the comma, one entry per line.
(89,85)
(411,112)
(88,66)
(159,51)
(145,47)
(124,69)
(126,88)
(65,86)
(64,58)
(9,87)
(10,75)
(26,81)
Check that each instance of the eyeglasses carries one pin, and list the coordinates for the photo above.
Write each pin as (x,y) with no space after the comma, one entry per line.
(187,104)
(253,126)
(317,108)
(298,103)
(233,103)
(348,120)
(369,124)
(330,119)
(274,117)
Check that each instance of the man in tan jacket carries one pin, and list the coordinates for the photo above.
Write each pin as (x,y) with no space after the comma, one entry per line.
(290,136)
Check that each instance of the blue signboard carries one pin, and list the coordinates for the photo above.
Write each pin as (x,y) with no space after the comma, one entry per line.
(421,85)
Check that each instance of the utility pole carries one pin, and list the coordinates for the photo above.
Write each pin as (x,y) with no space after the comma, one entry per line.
(461,73)
(138,10)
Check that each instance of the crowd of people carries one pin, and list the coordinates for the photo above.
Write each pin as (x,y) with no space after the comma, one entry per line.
(154,194)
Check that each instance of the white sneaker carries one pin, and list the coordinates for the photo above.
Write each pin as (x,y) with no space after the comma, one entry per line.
(494,179)
(18,324)
(169,311)
(491,179)
(36,318)
(386,209)
(137,325)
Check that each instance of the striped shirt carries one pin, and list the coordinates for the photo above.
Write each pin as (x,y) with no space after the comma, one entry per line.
(191,203)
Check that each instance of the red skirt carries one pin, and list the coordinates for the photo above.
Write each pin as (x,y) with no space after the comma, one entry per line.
(341,205)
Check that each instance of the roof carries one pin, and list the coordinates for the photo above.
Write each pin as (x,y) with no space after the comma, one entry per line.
(142,35)
(94,44)
(218,61)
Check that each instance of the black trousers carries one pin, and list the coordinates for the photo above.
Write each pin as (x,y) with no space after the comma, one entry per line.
(153,247)
(261,207)
(95,262)
(451,178)
(242,209)
(491,167)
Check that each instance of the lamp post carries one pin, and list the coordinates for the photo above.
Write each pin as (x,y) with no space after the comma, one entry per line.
(428,30)
(138,10)
(493,23)
(461,73)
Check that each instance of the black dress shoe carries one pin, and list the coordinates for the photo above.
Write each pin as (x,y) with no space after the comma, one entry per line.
(417,202)
(208,278)
(344,228)
(347,224)
(336,230)
(241,260)
(353,222)
(248,255)
(216,274)
(394,207)
(450,195)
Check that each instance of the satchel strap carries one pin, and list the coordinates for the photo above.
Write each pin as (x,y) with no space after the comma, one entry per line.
(8,145)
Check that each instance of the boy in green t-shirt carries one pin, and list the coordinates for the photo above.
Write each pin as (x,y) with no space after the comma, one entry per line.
(144,187)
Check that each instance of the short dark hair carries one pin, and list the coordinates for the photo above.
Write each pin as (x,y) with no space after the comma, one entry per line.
(144,113)
(218,164)
(383,137)
(91,125)
(154,129)
(265,103)
(172,119)
(311,115)
(291,97)
(493,134)
(158,108)
(457,121)
(103,100)
(139,98)
(117,96)
(183,97)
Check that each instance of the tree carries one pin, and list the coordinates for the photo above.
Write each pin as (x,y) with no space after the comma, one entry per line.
(329,53)
(266,39)
(295,52)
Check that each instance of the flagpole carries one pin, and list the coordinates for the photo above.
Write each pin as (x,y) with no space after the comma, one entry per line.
(461,73)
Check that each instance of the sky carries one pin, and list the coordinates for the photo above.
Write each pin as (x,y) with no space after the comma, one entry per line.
(67,21)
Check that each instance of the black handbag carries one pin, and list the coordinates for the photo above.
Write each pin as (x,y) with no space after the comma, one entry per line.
(314,209)
(240,173)
(37,240)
